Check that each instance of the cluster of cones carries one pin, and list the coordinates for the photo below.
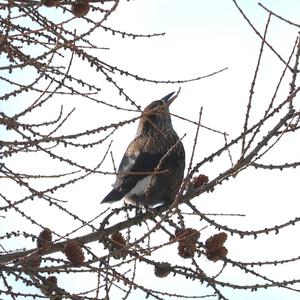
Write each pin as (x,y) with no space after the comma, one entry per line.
(187,244)
(72,250)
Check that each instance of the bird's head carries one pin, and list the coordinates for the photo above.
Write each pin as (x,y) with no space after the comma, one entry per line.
(156,115)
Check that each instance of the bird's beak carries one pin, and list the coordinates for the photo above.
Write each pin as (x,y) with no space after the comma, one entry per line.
(169,98)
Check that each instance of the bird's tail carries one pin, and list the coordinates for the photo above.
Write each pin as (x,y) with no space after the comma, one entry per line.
(113,196)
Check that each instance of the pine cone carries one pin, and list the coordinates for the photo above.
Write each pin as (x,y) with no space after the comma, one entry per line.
(186,250)
(32,261)
(162,269)
(199,181)
(214,247)
(49,286)
(118,239)
(117,244)
(74,253)
(80,8)
(51,3)
(217,254)
(44,239)
(215,242)
(187,238)
(52,280)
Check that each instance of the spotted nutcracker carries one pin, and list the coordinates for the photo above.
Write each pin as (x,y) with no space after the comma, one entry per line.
(151,171)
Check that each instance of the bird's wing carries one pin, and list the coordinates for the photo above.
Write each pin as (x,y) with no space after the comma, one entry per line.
(135,167)
(132,169)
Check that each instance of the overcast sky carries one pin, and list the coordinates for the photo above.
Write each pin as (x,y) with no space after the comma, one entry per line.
(203,37)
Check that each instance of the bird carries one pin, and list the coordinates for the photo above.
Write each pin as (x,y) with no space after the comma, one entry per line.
(151,171)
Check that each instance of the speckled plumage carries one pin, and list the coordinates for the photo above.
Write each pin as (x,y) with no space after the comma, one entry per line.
(152,167)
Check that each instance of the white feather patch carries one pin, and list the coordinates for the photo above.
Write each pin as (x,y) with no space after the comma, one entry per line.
(141,186)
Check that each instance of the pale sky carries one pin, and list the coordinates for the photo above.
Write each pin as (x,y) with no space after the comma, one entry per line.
(203,37)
